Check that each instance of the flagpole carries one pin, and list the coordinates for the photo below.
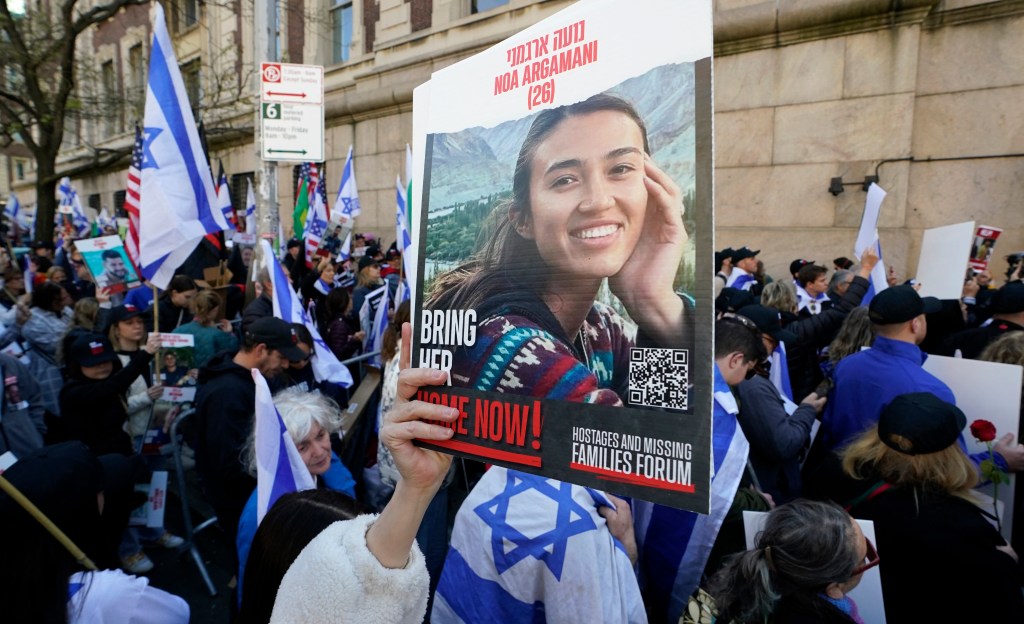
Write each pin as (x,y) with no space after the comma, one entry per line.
(48,524)
(156,325)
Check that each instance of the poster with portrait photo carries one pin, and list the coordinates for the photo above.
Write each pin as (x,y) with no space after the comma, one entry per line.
(108,263)
(564,218)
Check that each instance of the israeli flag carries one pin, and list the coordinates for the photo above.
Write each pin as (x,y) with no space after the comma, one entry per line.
(326,366)
(69,204)
(380,325)
(347,202)
(345,253)
(674,545)
(103,219)
(179,199)
(224,199)
(279,467)
(13,208)
(530,549)
(250,208)
(778,373)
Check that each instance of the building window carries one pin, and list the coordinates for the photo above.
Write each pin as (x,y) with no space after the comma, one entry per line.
(119,210)
(136,82)
(190,12)
(19,170)
(479,6)
(190,76)
(111,101)
(341,31)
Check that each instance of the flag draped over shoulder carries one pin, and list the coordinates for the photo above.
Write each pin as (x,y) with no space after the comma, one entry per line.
(326,366)
(279,467)
(316,221)
(529,549)
(347,202)
(178,197)
(674,545)
(131,198)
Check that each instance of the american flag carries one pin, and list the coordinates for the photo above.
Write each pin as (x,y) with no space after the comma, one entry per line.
(132,198)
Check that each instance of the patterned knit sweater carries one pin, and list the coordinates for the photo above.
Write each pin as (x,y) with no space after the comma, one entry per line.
(515,354)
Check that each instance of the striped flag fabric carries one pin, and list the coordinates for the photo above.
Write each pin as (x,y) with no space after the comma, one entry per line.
(778,374)
(402,238)
(316,222)
(306,187)
(347,201)
(178,205)
(279,467)
(674,545)
(526,548)
(224,199)
(326,366)
(13,209)
(71,207)
(345,253)
(380,326)
(250,208)
(131,198)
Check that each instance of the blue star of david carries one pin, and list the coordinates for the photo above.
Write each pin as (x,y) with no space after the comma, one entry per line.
(316,228)
(348,203)
(549,547)
(149,135)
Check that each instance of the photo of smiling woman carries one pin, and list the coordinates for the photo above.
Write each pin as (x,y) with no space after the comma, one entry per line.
(588,204)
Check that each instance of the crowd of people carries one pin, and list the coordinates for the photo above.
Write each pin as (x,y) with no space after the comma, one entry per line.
(819,371)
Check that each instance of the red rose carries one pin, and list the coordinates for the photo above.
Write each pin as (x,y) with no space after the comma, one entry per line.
(983,430)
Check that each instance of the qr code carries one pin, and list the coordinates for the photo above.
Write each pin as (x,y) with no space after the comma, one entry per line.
(659,377)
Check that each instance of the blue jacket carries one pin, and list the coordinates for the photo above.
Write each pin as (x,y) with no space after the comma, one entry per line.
(337,478)
(866,382)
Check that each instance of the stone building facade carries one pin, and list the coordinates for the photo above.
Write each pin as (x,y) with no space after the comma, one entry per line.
(924,93)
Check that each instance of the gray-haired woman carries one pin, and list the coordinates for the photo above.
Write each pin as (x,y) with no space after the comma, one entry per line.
(808,557)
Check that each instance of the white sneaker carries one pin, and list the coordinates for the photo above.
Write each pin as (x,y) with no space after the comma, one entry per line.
(138,563)
(169,541)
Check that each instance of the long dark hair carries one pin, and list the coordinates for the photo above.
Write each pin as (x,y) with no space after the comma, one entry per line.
(393,332)
(289,526)
(507,262)
(805,546)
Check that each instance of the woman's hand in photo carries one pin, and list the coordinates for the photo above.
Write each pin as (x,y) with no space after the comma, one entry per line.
(645,283)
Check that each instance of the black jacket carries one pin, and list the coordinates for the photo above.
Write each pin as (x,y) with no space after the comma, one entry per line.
(94,410)
(171,316)
(260,307)
(225,405)
(972,342)
(815,333)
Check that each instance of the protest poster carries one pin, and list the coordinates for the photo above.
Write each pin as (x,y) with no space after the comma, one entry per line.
(985,238)
(564,214)
(941,265)
(177,355)
(108,263)
(173,401)
(151,513)
(972,383)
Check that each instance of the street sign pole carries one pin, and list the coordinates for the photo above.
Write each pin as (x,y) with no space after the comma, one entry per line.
(267,213)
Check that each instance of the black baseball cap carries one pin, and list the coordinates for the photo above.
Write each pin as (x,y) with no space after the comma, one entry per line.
(123,313)
(768,321)
(277,335)
(742,253)
(732,299)
(798,264)
(900,304)
(366,261)
(91,349)
(920,423)
(1009,299)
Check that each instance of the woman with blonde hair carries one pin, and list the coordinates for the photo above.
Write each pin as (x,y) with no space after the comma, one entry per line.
(213,334)
(916,483)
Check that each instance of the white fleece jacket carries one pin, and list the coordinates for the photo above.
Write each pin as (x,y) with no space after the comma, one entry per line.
(337,579)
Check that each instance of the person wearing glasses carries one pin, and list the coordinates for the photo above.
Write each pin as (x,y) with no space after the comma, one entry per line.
(807,559)
(917,484)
